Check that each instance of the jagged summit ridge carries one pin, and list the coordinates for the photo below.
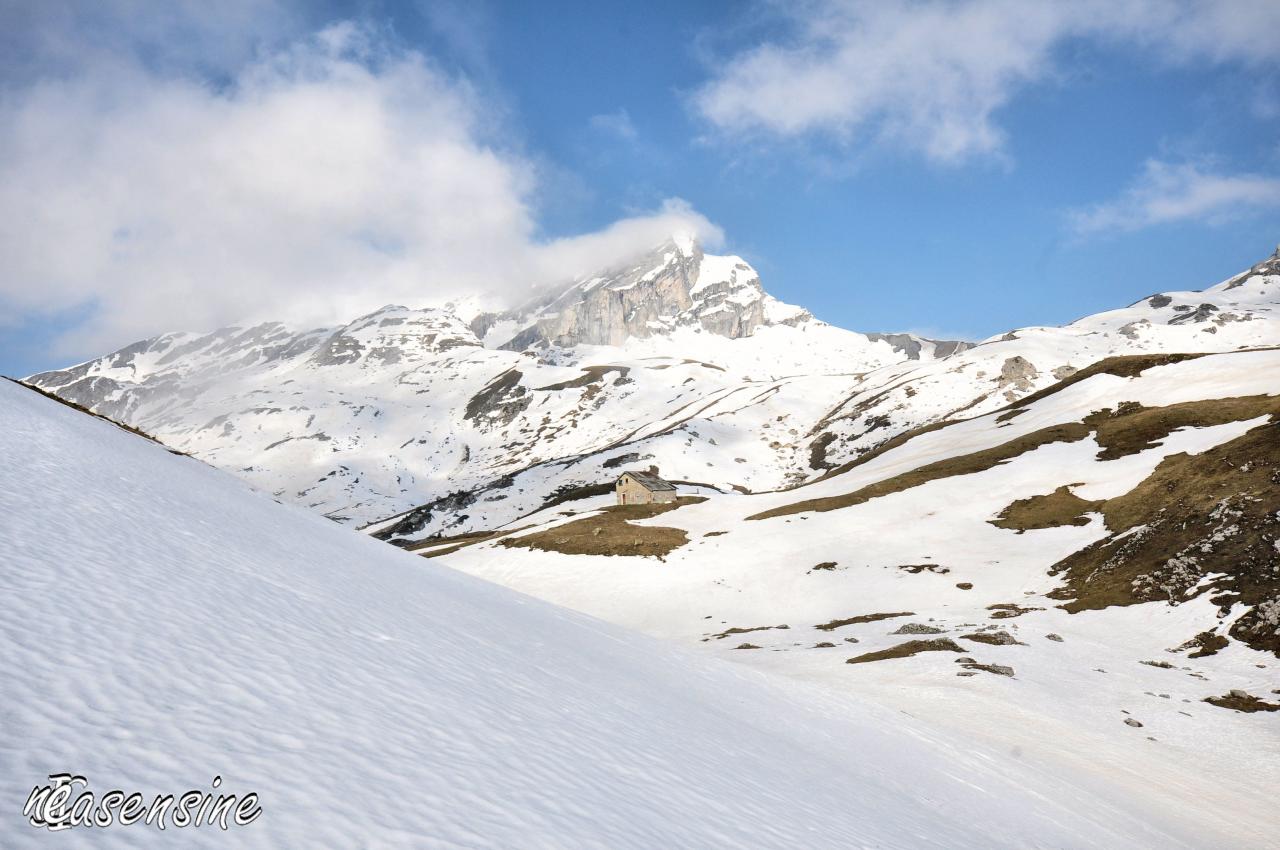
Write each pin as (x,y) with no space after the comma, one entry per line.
(675,285)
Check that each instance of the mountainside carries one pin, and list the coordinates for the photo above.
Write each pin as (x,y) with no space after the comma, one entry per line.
(212,632)
(1241,312)
(1088,576)
(406,407)
(817,420)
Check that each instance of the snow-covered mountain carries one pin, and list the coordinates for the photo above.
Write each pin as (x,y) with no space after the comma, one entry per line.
(405,407)
(448,420)
(163,624)
(824,413)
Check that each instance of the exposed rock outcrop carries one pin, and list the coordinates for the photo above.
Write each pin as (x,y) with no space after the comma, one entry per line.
(675,285)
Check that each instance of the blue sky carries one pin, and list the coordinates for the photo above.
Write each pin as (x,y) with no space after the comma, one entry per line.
(955,168)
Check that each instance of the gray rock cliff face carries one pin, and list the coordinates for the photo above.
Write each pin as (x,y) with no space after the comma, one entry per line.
(674,286)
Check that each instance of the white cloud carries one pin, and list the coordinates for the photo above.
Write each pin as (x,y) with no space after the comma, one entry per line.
(1167,193)
(931,76)
(326,178)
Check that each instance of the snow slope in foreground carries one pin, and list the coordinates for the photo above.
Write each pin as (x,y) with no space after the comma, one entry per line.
(161,623)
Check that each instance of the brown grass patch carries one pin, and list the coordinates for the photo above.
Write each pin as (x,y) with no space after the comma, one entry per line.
(862,618)
(1204,644)
(1132,428)
(741,631)
(1006,610)
(1061,507)
(449,545)
(1241,701)
(908,649)
(916,569)
(611,533)
(994,638)
(998,669)
(1209,513)
(590,375)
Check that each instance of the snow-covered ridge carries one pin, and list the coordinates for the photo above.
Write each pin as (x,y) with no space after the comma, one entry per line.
(712,380)
(402,407)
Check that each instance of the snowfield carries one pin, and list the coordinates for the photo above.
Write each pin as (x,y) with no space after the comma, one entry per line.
(164,623)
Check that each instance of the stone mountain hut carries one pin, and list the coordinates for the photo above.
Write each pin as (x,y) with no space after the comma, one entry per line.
(644,488)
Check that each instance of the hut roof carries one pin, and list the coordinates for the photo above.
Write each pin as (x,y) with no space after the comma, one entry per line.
(649,481)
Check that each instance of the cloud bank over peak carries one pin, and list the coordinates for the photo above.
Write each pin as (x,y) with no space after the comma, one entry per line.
(326,177)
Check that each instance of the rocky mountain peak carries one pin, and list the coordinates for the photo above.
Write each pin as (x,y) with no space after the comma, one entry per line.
(672,286)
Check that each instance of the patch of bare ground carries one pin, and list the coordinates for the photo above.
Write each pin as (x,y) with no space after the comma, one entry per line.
(590,375)
(1007,610)
(611,532)
(1204,523)
(742,631)
(998,669)
(908,649)
(1061,507)
(916,569)
(862,618)
(1204,644)
(437,546)
(967,464)
(1131,428)
(1242,701)
(994,638)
